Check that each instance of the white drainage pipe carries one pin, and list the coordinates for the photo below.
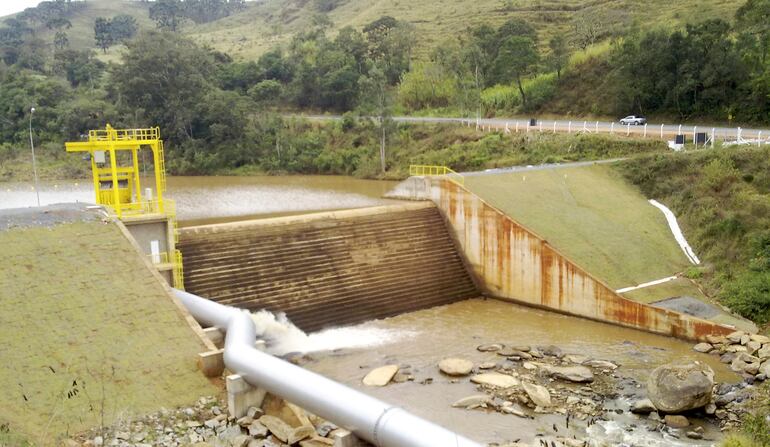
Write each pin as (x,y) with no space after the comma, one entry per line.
(371,419)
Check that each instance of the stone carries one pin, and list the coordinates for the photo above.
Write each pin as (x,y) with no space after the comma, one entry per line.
(643,406)
(736,348)
(538,394)
(743,362)
(703,347)
(380,376)
(257,430)
(455,366)
(764,352)
(735,337)
(553,351)
(495,379)
(530,366)
(487,365)
(514,410)
(716,339)
(753,346)
(523,348)
(764,369)
(674,388)
(254,412)
(240,441)
(316,441)
(727,357)
(762,339)
(600,364)
(745,339)
(211,423)
(576,358)
(490,347)
(277,427)
(676,421)
(98,441)
(472,401)
(710,409)
(521,355)
(300,433)
(694,435)
(578,374)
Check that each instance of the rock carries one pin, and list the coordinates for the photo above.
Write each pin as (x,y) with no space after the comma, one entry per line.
(70,443)
(455,366)
(578,374)
(735,337)
(710,408)
(240,441)
(257,430)
(530,366)
(490,347)
(736,348)
(487,365)
(514,410)
(380,376)
(752,347)
(703,347)
(254,412)
(600,364)
(724,399)
(538,394)
(676,421)
(727,357)
(764,369)
(674,388)
(495,379)
(522,348)
(716,339)
(764,352)
(744,362)
(300,433)
(521,355)
(277,427)
(745,339)
(316,441)
(211,423)
(401,377)
(472,401)
(694,435)
(576,358)
(98,441)
(643,406)
(553,351)
(760,338)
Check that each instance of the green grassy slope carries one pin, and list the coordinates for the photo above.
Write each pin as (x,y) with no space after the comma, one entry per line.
(267,23)
(89,335)
(594,217)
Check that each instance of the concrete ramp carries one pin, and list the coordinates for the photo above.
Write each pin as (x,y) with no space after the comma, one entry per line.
(330,268)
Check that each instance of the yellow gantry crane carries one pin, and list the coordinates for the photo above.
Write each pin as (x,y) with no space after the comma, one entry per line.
(114,156)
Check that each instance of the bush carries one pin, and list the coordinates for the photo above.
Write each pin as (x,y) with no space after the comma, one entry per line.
(749,295)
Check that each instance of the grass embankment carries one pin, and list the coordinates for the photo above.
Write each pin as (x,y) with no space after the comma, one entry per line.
(595,218)
(722,201)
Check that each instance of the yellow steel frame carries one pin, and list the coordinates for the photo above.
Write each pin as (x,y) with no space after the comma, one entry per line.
(434,170)
(112,141)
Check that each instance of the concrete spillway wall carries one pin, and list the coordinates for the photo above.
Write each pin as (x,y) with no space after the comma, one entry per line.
(330,268)
(511,262)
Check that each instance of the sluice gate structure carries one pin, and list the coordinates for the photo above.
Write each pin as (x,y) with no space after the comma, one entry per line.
(329,268)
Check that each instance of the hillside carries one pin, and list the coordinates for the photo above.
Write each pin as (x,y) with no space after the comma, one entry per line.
(264,24)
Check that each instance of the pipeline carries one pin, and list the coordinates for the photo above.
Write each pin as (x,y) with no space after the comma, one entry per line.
(375,421)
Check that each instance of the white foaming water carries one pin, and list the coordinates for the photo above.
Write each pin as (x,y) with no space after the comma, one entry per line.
(284,337)
(614,433)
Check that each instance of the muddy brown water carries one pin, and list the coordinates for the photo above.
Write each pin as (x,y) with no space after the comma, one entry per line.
(215,199)
(457,329)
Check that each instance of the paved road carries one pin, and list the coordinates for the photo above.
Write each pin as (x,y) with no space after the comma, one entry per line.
(652,130)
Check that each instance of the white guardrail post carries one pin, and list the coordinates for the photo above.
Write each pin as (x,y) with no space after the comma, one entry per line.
(713,136)
(596,127)
(612,127)
(569,127)
(645,130)
(661,130)
(694,130)
(628,129)
(554,126)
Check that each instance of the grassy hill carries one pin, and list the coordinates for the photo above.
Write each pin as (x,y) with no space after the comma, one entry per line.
(266,23)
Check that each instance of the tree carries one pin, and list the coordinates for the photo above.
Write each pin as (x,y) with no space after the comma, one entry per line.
(587,28)
(753,19)
(516,58)
(559,53)
(390,44)
(168,14)
(122,27)
(103,33)
(376,99)
(60,40)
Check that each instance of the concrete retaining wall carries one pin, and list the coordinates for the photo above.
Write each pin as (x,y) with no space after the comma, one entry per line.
(511,262)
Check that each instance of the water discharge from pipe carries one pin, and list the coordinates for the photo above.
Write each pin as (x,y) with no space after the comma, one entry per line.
(283,337)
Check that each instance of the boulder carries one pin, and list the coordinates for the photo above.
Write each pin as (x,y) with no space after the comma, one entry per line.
(764,352)
(674,388)
(380,376)
(316,441)
(764,368)
(676,421)
(735,337)
(490,347)
(455,366)
(277,427)
(760,338)
(736,348)
(553,351)
(472,401)
(538,394)
(495,379)
(744,362)
(753,346)
(703,347)
(643,406)
(257,430)
(716,339)
(571,373)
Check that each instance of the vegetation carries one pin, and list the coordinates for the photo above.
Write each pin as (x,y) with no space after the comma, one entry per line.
(722,200)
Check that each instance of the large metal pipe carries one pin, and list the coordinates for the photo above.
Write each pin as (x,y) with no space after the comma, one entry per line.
(375,421)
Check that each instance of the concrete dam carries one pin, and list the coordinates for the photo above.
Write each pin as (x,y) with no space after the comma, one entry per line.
(330,268)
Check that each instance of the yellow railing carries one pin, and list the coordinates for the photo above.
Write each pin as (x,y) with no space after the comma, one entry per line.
(178,270)
(431,170)
(110,134)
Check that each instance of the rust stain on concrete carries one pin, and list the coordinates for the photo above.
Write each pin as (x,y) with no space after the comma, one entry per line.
(512,262)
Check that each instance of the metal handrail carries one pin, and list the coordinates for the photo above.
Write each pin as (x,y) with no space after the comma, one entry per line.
(152,133)
(435,170)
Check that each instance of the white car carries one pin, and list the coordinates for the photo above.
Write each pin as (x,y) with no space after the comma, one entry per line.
(633,120)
